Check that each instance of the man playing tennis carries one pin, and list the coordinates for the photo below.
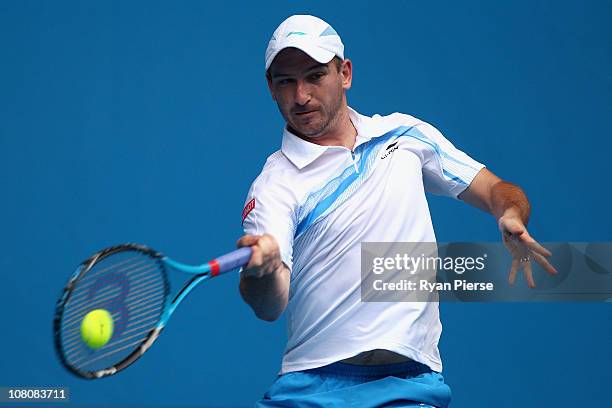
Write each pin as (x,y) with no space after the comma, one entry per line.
(339,179)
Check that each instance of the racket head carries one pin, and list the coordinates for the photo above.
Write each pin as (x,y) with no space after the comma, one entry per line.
(129,281)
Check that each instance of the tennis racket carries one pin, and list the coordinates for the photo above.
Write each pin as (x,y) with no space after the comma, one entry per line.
(130,282)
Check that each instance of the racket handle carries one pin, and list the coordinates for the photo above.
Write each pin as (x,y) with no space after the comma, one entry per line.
(234,259)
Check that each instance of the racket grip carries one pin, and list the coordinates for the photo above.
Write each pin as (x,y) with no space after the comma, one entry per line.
(234,259)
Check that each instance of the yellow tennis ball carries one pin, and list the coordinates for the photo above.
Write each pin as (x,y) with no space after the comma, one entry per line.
(97,328)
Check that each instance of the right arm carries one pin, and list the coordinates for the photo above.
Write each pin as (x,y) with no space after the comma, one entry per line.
(264,281)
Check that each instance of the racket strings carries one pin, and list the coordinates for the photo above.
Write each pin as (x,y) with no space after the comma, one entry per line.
(144,327)
(106,294)
(132,287)
(144,310)
(142,266)
(82,309)
(111,350)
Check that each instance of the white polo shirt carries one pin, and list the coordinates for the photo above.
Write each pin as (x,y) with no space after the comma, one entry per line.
(321,202)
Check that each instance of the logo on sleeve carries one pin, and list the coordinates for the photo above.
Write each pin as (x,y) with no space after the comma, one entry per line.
(390,149)
(247,209)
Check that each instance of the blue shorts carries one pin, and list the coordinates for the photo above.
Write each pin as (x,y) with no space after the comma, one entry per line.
(409,384)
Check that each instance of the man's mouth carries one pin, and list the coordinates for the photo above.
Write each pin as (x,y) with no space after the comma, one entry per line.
(305,113)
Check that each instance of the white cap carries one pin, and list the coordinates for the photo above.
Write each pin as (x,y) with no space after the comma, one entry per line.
(308,33)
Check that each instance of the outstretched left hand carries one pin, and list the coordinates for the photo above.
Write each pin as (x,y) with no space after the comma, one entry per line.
(523,249)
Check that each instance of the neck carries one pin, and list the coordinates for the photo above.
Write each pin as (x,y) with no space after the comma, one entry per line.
(341,133)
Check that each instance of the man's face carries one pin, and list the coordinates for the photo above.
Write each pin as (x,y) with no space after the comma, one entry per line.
(309,94)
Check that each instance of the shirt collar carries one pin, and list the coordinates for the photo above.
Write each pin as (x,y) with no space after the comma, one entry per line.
(301,152)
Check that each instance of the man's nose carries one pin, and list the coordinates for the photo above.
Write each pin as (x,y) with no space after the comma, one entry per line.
(302,92)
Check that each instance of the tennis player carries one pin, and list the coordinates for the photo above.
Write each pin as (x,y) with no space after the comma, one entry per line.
(341,178)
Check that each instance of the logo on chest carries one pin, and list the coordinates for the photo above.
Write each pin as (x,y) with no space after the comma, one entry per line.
(389,150)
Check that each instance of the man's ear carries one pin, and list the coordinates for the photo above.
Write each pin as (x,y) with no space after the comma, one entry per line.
(346,72)
(269,81)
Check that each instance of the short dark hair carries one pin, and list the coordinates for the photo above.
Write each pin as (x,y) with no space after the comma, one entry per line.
(338,62)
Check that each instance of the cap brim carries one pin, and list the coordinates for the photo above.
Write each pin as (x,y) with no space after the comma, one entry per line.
(316,53)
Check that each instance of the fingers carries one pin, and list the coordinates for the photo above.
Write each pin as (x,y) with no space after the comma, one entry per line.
(256,259)
(268,245)
(527,271)
(538,252)
(544,264)
(511,226)
(513,270)
(256,255)
(247,240)
(528,274)
(515,232)
(533,245)
(524,246)
(265,257)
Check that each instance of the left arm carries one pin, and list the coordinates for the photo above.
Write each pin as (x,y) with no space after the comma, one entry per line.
(509,205)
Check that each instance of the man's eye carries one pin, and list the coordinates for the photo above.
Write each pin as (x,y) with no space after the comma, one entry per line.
(285,81)
(317,76)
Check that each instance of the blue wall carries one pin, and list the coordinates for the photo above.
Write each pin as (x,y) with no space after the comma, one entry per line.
(147,122)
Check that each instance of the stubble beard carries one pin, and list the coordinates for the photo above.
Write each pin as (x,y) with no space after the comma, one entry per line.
(332,118)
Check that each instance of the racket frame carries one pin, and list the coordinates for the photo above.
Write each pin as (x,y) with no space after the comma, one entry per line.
(199,272)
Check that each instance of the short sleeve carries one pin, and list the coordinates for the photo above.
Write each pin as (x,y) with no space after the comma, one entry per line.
(269,209)
(446,169)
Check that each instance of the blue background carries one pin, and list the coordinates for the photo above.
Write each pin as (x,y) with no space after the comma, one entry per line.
(147,121)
